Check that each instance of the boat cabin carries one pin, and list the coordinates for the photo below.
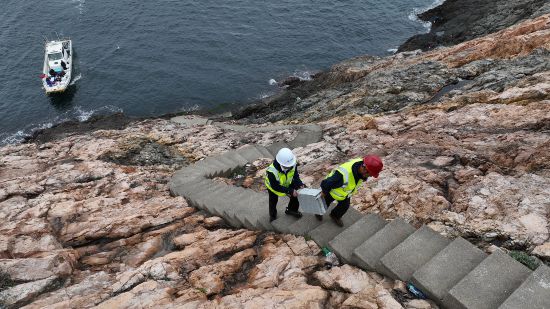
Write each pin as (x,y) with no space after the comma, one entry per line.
(57,52)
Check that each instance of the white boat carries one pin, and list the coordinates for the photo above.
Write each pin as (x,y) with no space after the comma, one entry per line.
(58,65)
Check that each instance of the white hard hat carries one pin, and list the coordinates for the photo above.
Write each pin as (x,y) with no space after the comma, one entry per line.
(286,158)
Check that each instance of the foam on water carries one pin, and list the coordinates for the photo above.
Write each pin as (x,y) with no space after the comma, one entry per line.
(75,79)
(303,75)
(417,11)
(77,113)
(80,6)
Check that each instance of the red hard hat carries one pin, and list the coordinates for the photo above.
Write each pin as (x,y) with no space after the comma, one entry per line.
(373,164)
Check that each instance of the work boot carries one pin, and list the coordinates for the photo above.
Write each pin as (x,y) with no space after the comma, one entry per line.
(294,213)
(337,220)
(319,217)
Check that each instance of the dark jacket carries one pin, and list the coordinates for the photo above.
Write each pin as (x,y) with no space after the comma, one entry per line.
(337,180)
(295,184)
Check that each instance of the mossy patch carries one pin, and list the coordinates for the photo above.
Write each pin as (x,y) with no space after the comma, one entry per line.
(525,259)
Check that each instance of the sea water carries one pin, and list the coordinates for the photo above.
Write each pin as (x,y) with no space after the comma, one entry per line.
(147,58)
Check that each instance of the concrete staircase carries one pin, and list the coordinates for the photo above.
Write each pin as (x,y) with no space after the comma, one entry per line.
(455,274)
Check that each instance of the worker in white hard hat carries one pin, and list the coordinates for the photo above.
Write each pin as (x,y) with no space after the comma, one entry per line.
(282,178)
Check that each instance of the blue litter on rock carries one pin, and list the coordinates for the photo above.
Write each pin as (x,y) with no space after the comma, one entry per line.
(415,291)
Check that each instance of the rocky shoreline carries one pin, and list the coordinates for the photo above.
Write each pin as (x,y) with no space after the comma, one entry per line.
(457,21)
(88,220)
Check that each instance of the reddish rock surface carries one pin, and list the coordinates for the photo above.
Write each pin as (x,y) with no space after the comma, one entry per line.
(88,220)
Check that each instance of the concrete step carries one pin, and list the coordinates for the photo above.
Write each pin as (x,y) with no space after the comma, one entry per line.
(188,121)
(185,189)
(229,203)
(199,196)
(302,140)
(275,147)
(229,213)
(224,167)
(259,218)
(253,210)
(369,253)
(283,221)
(533,293)
(185,174)
(216,200)
(349,239)
(210,167)
(245,201)
(447,268)
(489,284)
(236,157)
(311,127)
(415,251)
(308,222)
(250,153)
(238,196)
(176,184)
(265,152)
(325,232)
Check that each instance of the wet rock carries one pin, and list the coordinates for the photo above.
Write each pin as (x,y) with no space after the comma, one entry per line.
(290,81)
(449,28)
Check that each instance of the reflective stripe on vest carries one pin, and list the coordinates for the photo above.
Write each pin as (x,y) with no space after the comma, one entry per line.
(284,179)
(350,186)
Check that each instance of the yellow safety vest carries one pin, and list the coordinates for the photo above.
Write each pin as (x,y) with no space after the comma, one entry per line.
(350,185)
(284,179)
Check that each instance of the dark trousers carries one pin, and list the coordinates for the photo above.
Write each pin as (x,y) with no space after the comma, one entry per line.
(340,208)
(293,204)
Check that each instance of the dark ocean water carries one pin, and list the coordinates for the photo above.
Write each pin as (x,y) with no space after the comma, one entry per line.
(148,58)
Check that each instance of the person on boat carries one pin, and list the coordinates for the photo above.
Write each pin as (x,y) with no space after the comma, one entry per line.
(282,178)
(63,65)
(48,82)
(52,73)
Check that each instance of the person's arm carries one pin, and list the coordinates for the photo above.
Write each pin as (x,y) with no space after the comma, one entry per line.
(296,181)
(333,182)
(277,186)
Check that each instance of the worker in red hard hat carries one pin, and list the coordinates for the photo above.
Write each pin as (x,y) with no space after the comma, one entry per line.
(342,182)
